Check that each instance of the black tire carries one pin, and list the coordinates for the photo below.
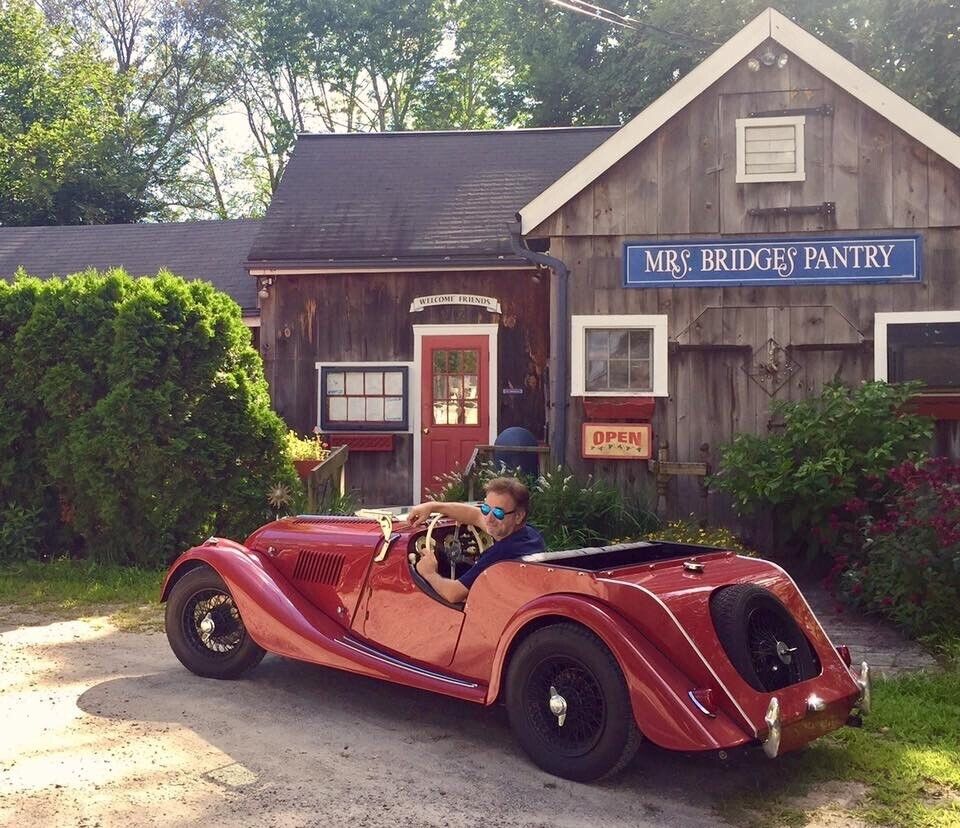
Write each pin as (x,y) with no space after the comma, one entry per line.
(761,639)
(223,653)
(599,735)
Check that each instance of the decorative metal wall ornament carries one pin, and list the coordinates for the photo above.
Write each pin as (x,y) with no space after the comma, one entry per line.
(771,366)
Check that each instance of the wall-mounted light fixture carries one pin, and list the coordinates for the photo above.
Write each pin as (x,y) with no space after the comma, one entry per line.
(768,57)
(263,285)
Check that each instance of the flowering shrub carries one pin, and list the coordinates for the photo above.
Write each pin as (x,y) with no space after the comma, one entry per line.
(689,531)
(901,553)
(829,450)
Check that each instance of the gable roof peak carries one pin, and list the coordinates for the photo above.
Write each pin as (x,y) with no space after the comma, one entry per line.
(769,24)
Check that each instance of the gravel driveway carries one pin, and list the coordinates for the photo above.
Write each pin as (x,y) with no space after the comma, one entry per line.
(101,728)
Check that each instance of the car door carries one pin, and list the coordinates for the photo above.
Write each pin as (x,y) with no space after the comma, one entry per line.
(397,615)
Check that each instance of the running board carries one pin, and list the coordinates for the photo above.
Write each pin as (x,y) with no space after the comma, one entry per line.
(360,647)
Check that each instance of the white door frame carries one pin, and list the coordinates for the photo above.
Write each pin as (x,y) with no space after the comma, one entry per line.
(419,332)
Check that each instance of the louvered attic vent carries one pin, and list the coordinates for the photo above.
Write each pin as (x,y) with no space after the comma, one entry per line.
(770,149)
(318,567)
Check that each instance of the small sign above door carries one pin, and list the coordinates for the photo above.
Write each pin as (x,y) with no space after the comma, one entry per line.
(486,302)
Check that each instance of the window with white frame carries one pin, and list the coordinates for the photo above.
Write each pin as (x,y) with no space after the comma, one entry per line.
(918,345)
(618,356)
(363,397)
(770,149)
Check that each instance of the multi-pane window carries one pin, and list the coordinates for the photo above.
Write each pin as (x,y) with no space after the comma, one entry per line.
(618,355)
(924,351)
(770,149)
(365,398)
(619,359)
(456,383)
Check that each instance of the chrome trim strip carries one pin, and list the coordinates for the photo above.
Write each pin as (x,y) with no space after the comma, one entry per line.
(386,659)
(700,707)
(696,649)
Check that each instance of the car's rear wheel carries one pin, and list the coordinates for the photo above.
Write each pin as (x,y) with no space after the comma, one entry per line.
(205,629)
(761,638)
(568,704)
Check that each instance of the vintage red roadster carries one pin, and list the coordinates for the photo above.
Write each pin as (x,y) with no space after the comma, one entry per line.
(694,648)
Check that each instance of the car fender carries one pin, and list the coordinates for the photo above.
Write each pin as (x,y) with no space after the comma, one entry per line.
(276,616)
(282,621)
(662,708)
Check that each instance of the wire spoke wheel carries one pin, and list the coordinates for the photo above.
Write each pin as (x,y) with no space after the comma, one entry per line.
(205,629)
(212,622)
(585,708)
(761,638)
(771,645)
(568,703)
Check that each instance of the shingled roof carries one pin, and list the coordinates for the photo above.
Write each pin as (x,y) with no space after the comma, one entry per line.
(210,250)
(408,198)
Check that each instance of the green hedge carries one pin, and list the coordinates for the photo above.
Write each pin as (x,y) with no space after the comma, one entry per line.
(134,418)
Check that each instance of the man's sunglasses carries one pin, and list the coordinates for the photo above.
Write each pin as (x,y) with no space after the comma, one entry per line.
(498,513)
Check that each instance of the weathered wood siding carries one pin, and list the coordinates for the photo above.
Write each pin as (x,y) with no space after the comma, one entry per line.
(366,318)
(680,182)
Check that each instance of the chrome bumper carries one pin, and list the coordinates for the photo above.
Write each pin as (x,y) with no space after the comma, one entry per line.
(771,745)
(865,683)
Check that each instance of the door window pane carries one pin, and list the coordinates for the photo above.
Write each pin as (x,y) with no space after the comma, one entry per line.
(458,382)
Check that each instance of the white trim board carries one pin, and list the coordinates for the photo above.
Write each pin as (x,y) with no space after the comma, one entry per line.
(882,320)
(768,24)
(491,331)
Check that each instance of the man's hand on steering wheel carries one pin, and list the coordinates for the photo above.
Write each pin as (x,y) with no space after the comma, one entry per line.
(428,564)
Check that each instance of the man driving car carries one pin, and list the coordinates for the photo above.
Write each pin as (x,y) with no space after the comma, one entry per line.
(502,515)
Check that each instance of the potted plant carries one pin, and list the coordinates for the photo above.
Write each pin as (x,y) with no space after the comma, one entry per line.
(305,452)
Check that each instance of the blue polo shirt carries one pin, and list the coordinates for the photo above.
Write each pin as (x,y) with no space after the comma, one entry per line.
(525,541)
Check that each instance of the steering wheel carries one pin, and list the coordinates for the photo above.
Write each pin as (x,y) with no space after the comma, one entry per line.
(483,540)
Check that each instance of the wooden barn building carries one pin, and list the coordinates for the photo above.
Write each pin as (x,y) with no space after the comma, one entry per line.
(776,220)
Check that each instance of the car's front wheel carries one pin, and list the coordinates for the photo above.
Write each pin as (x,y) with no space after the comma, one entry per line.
(205,629)
(568,704)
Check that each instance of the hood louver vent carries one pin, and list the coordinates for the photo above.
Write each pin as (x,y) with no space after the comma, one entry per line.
(318,568)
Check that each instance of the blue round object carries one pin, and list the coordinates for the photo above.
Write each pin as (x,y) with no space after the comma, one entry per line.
(517,436)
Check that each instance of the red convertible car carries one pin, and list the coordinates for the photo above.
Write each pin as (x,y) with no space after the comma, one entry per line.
(694,648)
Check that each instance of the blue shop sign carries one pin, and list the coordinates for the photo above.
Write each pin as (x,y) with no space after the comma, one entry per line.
(749,261)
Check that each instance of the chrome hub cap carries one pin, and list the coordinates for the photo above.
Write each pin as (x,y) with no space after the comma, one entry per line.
(207,626)
(558,706)
(785,652)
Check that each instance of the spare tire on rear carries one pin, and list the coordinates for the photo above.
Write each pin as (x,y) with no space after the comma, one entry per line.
(761,638)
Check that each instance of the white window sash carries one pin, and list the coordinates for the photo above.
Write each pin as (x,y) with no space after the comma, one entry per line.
(578,354)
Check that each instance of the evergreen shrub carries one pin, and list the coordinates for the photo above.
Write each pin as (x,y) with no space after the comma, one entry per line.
(134,416)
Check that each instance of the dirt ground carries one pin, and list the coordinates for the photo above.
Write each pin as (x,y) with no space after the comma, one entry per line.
(100,727)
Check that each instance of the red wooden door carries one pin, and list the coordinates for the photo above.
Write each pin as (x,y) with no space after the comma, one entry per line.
(455,405)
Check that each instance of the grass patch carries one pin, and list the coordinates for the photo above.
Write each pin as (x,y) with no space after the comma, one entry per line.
(60,587)
(907,754)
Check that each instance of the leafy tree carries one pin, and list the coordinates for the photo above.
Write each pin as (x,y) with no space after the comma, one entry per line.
(167,57)
(62,154)
(472,87)
(575,70)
